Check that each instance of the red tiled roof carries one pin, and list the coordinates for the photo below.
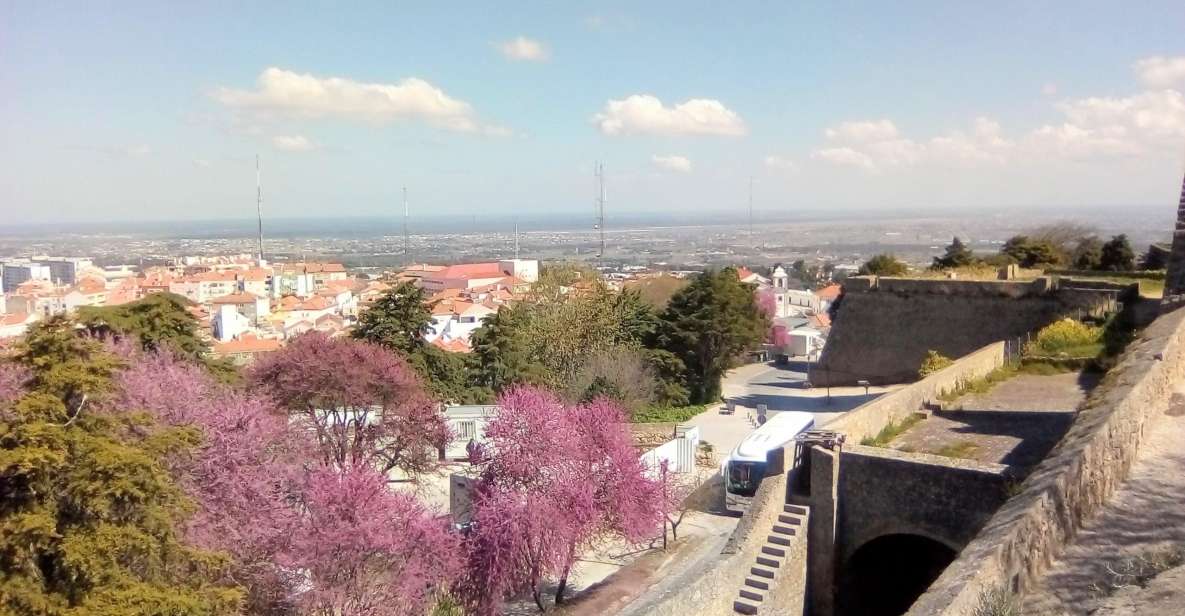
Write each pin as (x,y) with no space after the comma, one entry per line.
(470,270)
(829,292)
(316,303)
(13,318)
(455,345)
(239,298)
(248,344)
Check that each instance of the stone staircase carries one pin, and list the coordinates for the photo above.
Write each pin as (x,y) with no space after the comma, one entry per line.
(790,527)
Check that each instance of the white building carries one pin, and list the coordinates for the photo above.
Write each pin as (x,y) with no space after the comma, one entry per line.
(15,271)
(229,323)
(467,423)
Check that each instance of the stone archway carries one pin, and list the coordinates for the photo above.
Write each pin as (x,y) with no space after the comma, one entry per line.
(887,574)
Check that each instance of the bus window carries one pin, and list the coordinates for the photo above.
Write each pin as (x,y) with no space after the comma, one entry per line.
(744,477)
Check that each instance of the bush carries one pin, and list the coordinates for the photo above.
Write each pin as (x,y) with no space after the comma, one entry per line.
(668,414)
(1074,338)
(933,362)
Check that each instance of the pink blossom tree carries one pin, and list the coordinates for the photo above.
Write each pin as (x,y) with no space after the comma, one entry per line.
(241,473)
(556,479)
(362,402)
(766,302)
(12,381)
(365,550)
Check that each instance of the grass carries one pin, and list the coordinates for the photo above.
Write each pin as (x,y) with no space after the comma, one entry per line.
(958,449)
(996,602)
(669,414)
(891,431)
(980,385)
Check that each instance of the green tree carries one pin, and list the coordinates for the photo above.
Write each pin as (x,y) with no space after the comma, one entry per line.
(708,325)
(1030,252)
(1117,255)
(397,320)
(90,518)
(501,351)
(957,255)
(1088,254)
(883,265)
(1157,258)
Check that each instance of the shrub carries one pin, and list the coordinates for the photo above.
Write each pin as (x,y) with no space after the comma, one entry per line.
(933,362)
(1066,336)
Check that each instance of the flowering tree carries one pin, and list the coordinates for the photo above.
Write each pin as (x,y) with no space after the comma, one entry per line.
(12,381)
(362,402)
(766,302)
(556,479)
(241,474)
(368,551)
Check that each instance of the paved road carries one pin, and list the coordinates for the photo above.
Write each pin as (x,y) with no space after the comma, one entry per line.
(780,388)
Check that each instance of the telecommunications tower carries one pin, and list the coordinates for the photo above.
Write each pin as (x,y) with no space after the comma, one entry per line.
(259,207)
(600,226)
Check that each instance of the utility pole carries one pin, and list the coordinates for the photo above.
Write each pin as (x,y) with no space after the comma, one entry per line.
(406,239)
(259,206)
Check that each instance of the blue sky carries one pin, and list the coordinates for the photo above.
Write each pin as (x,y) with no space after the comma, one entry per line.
(156,110)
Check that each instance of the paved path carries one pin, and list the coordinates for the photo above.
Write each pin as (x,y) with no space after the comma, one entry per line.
(1146,515)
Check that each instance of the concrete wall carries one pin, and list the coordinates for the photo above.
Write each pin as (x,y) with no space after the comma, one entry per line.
(1031,529)
(868,418)
(711,592)
(884,326)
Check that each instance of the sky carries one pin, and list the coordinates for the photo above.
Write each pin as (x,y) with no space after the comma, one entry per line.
(157,110)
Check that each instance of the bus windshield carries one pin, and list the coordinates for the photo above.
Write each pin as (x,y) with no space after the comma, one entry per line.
(744,477)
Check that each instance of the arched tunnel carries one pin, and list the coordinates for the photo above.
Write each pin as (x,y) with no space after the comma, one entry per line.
(886,575)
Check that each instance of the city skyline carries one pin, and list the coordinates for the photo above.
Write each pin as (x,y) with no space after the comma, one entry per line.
(136,116)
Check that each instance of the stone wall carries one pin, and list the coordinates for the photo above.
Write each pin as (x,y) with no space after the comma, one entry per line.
(884,326)
(711,592)
(1030,530)
(868,419)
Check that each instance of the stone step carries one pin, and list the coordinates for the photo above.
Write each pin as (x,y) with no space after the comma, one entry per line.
(744,607)
(752,595)
(778,539)
(772,551)
(756,583)
(798,509)
(763,572)
(784,530)
(769,562)
(789,519)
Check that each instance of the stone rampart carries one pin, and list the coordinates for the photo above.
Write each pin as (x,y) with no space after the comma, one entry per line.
(711,592)
(1031,529)
(868,419)
(884,326)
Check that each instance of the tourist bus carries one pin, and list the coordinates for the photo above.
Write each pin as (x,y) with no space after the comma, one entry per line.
(744,468)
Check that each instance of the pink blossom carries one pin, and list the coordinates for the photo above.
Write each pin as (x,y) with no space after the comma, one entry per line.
(362,402)
(12,381)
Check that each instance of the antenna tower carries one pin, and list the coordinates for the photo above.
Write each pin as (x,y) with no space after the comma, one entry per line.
(406,240)
(751,242)
(600,173)
(259,206)
(516,239)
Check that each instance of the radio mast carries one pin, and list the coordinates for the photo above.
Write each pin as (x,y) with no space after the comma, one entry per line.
(600,173)
(751,242)
(516,239)
(406,239)
(259,207)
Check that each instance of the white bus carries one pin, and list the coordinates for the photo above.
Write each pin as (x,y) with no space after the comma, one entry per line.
(744,468)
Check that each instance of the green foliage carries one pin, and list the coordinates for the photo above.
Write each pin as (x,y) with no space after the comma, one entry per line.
(1157,258)
(1117,255)
(1030,252)
(883,265)
(397,320)
(1067,336)
(980,385)
(891,431)
(90,517)
(1088,254)
(450,377)
(709,325)
(957,255)
(502,353)
(658,290)
(958,449)
(670,372)
(159,321)
(933,362)
(667,414)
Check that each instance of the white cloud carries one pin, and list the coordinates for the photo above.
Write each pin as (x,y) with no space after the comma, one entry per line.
(1161,72)
(285,93)
(1049,89)
(778,162)
(864,131)
(293,143)
(523,48)
(875,145)
(643,114)
(680,164)
(845,157)
(201,162)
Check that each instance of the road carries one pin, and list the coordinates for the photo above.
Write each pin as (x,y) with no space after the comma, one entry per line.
(780,388)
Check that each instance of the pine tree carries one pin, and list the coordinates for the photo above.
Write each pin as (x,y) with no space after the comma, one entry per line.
(1117,255)
(957,255)
(397,320)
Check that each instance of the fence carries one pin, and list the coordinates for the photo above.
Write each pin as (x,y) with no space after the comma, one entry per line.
(678,453)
